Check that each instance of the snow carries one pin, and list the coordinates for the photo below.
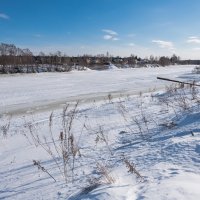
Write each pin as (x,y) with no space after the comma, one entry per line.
(22,92)
(166,157)
(112,67)
(182,186)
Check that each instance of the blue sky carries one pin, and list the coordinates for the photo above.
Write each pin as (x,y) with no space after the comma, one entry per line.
(122,27)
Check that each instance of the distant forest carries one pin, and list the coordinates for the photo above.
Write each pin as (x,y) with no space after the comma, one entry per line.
(17,60)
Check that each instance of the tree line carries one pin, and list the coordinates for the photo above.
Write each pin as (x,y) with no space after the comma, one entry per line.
(15,57)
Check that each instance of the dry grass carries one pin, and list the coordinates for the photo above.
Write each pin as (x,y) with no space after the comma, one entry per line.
(5,128)
(132,169)
(103,170)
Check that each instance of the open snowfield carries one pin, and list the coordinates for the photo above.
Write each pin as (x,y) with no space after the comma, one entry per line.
(22,92)
(128,145)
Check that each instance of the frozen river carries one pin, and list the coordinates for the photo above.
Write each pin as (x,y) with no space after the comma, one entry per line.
(20,93)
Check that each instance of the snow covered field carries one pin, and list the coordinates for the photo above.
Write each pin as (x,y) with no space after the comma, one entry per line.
(128,145)
(22,92)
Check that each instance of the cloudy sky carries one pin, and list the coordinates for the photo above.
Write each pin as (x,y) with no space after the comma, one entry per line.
(121,27)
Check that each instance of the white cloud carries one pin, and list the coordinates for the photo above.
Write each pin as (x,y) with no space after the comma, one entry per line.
(4,16)
(110,37)
(193,40)
(164,44)
(110,32)
(192,37)
(107,37)
(131,44)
